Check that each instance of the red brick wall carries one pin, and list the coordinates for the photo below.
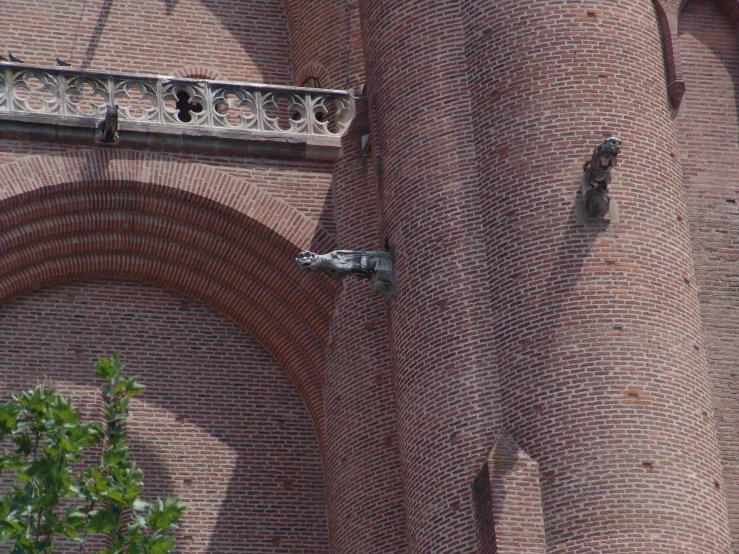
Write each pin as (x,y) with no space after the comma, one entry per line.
(244,41)
(588,339)
(709,129)
(320,35)
(303,186)
(157,232)
(220,423)
(287,205)
(597,327)
(440,333)
(363,474)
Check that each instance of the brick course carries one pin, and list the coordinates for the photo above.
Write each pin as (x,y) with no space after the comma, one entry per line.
(440,335)
(363,474)
(114,229)
(596,324)
(708,125)
(234,40)
(602,351)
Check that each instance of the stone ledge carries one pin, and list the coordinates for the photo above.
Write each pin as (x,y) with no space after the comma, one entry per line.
(63,105)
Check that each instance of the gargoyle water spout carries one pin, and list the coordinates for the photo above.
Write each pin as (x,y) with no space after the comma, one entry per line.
(377,266)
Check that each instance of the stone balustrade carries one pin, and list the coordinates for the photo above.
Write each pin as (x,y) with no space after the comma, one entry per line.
(168,112)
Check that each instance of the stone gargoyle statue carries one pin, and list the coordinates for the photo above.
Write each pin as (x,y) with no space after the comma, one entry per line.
(377,266)
(597,177)
(108,127)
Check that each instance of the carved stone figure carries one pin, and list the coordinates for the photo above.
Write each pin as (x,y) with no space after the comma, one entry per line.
(108,127)
(377,266)
(597,177)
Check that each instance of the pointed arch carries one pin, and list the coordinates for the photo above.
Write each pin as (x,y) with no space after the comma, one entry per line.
(668,14)
(107,214)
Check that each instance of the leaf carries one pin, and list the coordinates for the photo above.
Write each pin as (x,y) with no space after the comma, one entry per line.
(115,455)
(161,545)
(75,518)
(24,444)
(105,369)
(98,521)
(139,504)
(139,521)
(9,413)
(133,387)
(68,446)
(162,514)
(63,411)
(112,494)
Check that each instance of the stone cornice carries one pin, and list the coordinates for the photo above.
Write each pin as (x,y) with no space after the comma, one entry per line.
(66,105)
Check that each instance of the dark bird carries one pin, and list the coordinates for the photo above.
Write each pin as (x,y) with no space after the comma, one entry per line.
(13,58)
(108,127)
(61,62)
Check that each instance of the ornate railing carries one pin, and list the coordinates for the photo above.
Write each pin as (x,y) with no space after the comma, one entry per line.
(191,107)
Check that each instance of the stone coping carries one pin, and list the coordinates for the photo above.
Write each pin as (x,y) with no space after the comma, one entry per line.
(160,112)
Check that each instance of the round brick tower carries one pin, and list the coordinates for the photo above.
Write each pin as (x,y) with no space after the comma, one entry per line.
(600,357)
(439,332)
(594,327)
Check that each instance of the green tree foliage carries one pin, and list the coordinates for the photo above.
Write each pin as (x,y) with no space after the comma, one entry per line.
(56,494)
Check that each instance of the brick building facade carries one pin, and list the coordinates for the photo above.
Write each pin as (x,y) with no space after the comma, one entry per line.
(538,384)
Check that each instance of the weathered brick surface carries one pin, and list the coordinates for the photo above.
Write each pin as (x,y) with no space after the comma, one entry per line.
(321,34)
(516,499)
(282,188)
(244,41)
(440,321)
(220,424)
(585,343)
(603,377)
(708,125)
(145,232)
(363,475)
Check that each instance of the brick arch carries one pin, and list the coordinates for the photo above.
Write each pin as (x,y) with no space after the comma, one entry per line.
(668,14)
(180,241)
(319,50)
(731,7)
(201,184)
(199,71)
(312,69)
